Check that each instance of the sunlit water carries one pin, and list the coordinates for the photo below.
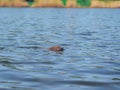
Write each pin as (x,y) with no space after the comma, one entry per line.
(90,37)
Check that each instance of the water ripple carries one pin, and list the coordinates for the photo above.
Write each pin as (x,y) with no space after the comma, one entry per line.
(90,59)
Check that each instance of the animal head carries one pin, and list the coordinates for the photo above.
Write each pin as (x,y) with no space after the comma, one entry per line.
(56,48)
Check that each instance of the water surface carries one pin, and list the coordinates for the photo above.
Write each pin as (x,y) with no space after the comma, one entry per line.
(91,59)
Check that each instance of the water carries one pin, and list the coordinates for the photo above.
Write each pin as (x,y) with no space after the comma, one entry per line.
(90,37)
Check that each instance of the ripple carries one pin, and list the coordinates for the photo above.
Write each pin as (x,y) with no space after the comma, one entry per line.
(28,47)
(2,48)
(90,59)
(89,83)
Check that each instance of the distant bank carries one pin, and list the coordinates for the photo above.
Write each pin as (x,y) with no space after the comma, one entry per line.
(61,3)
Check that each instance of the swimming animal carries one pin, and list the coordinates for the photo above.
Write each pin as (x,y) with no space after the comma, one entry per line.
(56,48)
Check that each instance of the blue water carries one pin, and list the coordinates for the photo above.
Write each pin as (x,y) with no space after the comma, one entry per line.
(90,37)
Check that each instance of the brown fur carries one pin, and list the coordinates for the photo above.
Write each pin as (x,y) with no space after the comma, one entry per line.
(56,48)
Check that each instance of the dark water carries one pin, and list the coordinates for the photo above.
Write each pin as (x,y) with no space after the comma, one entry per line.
(91,38)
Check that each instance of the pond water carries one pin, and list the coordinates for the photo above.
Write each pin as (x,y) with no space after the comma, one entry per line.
(90,37)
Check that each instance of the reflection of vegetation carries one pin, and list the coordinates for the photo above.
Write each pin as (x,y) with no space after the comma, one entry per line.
(84,2)
(30,2)
(64,2)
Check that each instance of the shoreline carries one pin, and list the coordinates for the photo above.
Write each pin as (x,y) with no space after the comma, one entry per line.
(60,3)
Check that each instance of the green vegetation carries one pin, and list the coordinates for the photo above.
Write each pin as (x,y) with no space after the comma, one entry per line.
(30,2)
(84,2)
(64,2)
